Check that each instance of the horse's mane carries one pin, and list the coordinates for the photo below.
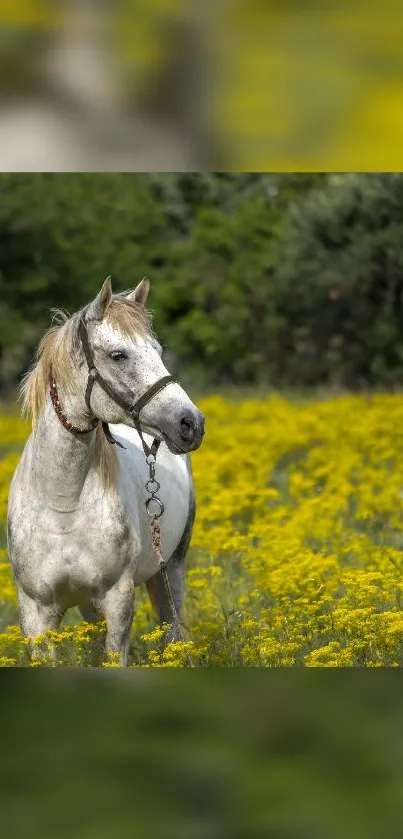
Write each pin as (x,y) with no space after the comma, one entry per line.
(57,355)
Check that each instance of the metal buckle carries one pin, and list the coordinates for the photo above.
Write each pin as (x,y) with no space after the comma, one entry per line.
(160,505)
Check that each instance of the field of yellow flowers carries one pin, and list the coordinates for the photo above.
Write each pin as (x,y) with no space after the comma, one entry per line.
(297,552)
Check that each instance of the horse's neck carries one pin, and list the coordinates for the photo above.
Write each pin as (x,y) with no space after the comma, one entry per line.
(60,461)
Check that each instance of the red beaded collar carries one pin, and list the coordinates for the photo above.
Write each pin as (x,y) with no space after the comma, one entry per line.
(63,419)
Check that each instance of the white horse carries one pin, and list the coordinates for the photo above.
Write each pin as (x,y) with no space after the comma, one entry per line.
(78,529)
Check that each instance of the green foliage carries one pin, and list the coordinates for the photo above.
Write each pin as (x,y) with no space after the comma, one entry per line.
(280,279)
(61,234)
(340,281)
(221,294)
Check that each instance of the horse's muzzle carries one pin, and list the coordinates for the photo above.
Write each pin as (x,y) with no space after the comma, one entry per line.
(192,428)
(186,434)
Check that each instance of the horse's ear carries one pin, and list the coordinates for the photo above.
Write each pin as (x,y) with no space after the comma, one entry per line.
(140,293)
(98,307)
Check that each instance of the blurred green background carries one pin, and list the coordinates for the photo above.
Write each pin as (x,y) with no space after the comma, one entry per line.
(271,280)
(188,754)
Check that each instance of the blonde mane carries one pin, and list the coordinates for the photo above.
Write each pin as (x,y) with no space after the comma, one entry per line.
(57,355)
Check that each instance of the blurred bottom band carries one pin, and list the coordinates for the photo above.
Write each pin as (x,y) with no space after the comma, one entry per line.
(218,753)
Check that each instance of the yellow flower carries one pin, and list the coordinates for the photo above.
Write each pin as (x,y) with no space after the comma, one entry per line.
(297,551)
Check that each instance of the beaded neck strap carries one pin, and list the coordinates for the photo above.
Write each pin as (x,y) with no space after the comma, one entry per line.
(63,419)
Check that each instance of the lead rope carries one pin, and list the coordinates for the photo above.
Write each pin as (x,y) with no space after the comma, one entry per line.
(152,487)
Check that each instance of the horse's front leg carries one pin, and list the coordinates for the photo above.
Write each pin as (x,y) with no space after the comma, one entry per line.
(117,608)
(36,619)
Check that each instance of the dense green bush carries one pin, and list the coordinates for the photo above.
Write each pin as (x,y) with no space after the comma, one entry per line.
(60,235)
(291,279)
(340,282)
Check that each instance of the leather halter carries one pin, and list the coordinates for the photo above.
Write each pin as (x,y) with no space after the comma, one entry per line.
(131,408)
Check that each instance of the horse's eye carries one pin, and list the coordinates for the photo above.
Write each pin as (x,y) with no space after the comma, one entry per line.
(116,355)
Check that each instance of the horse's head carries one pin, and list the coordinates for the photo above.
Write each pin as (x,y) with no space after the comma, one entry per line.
(127,357)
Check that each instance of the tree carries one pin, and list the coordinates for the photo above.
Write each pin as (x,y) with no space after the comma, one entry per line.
(60,236)
(340,272)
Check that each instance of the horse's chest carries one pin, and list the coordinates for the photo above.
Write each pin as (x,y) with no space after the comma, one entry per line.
(79,554)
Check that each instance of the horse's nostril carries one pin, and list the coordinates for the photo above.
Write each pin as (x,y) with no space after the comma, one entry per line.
(187,429)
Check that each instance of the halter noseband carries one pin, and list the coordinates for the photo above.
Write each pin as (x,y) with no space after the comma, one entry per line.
(132,409)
